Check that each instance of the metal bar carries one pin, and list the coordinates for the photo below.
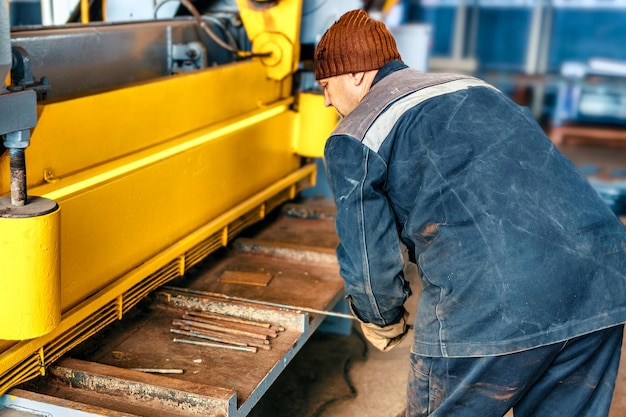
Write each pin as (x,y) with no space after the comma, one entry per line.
(212,338)
(231,325)
(158,371)
(226,317)
(219,328)
(17,164)
(84,11)
(216,345)
(259,302)
(202,336)
(224,338)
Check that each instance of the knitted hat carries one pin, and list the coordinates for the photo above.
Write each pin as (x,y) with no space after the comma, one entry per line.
(354,43)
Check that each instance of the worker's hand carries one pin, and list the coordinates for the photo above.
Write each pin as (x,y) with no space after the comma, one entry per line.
(387,337)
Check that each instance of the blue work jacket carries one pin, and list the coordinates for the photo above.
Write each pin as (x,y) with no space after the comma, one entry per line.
(514,248)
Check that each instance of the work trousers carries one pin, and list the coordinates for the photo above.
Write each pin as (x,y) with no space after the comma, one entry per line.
(575,378)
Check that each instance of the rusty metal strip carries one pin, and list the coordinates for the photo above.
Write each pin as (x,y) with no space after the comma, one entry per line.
(299,253)
(167,394)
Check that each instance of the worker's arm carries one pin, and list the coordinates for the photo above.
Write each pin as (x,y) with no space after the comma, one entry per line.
(369,254)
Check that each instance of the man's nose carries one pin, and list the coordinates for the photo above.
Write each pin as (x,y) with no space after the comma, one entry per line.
(327,102)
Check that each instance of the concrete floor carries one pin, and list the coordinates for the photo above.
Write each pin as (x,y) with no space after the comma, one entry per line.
(342,376)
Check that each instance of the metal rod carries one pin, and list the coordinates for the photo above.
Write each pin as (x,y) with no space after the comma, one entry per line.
(264,303)
(226,317)
(192,333)
(158,371)
(203,336)
(216,345)
(231,325)
(219,329)
(17,166)
(262,344)
(278,328)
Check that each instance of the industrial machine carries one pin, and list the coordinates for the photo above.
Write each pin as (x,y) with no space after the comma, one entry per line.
(135,158)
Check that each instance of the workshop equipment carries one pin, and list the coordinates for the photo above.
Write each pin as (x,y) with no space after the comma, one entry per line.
(222,375)
(159,147)
(29,226)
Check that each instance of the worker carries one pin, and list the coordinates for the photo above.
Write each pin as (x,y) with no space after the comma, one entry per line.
(522,266)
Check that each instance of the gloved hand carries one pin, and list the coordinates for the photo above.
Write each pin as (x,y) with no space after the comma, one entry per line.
(387,337)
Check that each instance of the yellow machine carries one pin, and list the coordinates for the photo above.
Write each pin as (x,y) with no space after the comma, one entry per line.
(148,147)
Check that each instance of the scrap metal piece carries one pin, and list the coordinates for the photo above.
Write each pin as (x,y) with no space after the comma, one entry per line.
(264,303)
(215,345)
(249,278)
(158,370)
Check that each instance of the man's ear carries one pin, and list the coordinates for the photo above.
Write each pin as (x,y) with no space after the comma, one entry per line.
(357,78)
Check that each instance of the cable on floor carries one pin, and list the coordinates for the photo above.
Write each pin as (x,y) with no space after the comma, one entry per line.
(346,376)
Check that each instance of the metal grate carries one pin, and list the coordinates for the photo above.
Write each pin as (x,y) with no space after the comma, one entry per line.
(203,249)
(131,297)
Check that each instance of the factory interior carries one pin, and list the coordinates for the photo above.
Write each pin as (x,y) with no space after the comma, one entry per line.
(162,174)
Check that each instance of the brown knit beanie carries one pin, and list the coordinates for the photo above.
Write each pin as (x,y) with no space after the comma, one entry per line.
(354,43)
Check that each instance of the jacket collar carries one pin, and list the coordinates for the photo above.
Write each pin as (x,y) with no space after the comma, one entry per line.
(387,69)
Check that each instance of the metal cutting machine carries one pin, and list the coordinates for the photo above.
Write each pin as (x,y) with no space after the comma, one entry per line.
(130,153)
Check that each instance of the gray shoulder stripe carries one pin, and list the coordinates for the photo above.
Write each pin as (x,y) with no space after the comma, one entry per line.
(381,127)
(392,87)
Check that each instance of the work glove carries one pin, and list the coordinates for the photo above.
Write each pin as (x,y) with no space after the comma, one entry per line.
(387,337)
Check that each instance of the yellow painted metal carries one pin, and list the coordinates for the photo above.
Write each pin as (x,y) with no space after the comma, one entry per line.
(315,123)
(159,159)
(84,11)
(154,176)
(388,5)
(31,276)
(21,361)
(78,134)
(123,212)
(275,30)
(124,166)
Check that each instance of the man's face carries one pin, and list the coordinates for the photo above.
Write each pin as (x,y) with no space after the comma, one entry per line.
(341,92)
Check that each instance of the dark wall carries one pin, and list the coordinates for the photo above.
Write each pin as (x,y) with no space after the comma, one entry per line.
(25,13)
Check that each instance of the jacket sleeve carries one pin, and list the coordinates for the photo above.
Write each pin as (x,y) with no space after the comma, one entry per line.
(369,252)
